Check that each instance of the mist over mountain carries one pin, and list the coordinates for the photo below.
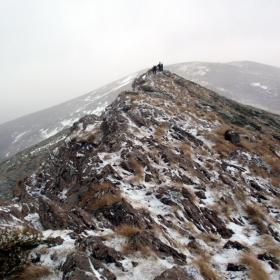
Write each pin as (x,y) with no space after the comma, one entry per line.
(172,181)
(246,82)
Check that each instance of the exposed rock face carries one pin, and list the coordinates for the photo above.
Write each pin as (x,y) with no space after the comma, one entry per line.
(80,266)
(233,137)
(174,273)
(150,189)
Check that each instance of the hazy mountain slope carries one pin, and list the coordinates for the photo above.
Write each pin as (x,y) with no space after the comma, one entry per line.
(27,131)
(173,182)
(247,82)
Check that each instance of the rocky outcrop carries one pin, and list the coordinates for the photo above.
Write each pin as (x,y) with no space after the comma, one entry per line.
(148,238)
(80,266)
(174,273)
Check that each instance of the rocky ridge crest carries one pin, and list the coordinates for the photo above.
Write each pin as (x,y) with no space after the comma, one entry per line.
(171,182)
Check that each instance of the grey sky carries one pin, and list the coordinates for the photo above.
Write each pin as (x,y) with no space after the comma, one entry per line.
(56,50)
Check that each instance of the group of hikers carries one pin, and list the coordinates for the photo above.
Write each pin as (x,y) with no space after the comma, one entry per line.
(158,67)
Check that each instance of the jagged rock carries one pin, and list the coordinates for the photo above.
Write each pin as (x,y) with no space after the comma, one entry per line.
(233,137)
(274,233)
(271,260)
(234,244)
(121,212)
(204,219)
(235,267)
(138,120)
(200,194)
(54,241)
(99,250)
(53,215)
(147,238)
(107,171)
(164,196)
(255,185)
(80,266)
(181,134)
(217,222)
(174,273)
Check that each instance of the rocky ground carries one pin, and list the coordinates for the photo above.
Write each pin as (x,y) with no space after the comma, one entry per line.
(173,181)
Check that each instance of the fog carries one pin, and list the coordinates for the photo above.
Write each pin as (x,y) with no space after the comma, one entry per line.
(56,50)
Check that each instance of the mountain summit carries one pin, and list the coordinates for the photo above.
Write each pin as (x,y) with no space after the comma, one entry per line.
(172,181)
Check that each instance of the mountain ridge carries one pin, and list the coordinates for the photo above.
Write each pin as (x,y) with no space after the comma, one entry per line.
(250,83)
(163,185)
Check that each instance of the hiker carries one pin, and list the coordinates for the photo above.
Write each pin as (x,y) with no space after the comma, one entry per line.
(154,69)
(160,66)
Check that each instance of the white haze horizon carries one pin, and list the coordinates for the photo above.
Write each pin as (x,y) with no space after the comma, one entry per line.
(54,51)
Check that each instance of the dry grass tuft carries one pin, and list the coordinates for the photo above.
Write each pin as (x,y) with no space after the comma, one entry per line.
(178,102)
(256,217)
(127,230)
(209,165)
(206,271)
(138,169)
(99,195)
(256,271)
(33,272)
(185,147)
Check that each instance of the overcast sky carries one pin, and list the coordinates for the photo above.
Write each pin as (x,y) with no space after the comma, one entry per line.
(56,50)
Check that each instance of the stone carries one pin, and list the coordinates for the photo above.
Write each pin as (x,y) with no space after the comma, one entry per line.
(80,266)
(234,245)
(174,273)
(148,238)
(99,250)
(233,137)
(235,267)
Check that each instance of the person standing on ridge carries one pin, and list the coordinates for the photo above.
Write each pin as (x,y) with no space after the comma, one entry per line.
(160,66)
(154,69)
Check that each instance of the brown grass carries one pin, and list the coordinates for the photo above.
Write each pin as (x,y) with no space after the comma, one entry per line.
(239,194)
(206,271)
(223,147)
(33,272)
(185,147)
(275,181)
(259,171)
(246,144)
(127,230)
(256,217)
(256,269)
(211,116)
(178,102)
(209,165)
(99,195)
(253,210)
(269,245)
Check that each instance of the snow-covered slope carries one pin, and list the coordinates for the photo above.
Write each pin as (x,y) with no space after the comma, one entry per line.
(172,182)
